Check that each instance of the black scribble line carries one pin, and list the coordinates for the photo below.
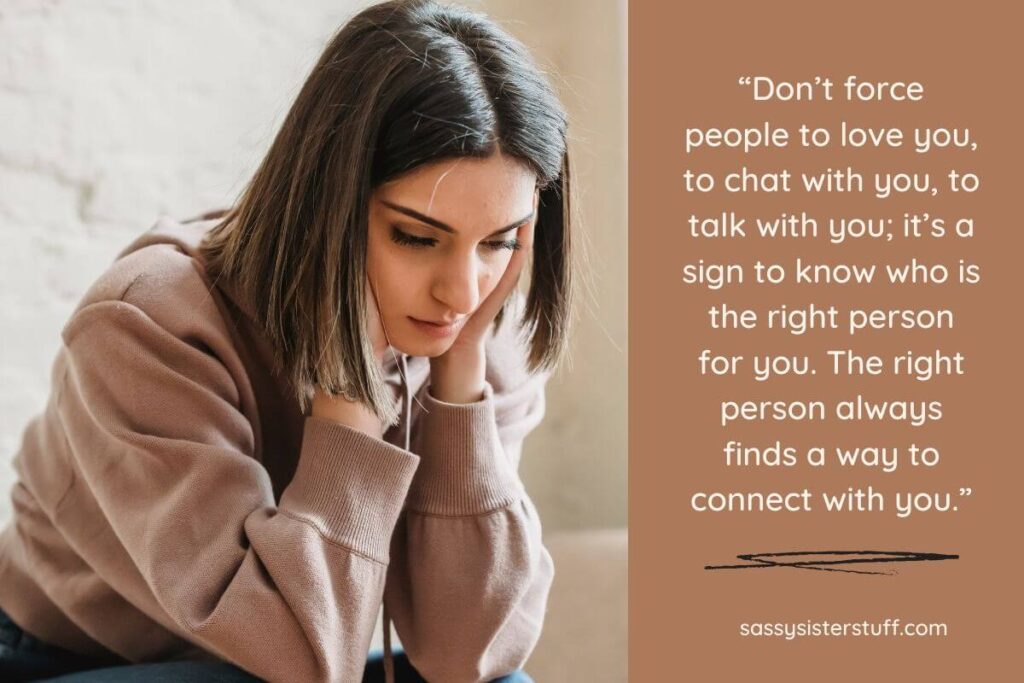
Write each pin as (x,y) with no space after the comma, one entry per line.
(760,561)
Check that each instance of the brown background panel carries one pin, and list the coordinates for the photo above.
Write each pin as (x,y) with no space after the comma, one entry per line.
(685,59)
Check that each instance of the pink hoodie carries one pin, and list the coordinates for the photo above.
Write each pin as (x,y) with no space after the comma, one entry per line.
(173,502)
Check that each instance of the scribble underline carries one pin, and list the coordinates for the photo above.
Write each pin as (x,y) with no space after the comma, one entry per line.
(761,561)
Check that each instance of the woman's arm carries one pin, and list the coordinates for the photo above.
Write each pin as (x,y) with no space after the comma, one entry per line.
(469,576)
(289,591)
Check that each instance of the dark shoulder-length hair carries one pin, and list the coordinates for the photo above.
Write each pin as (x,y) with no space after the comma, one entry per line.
(403,83)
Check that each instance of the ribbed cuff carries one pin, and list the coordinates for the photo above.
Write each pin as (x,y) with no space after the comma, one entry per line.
(463,468)
(350,486)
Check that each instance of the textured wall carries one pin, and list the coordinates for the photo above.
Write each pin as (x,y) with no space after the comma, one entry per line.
(115,111)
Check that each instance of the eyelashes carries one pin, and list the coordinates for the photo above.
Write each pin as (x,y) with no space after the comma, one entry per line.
(405,239)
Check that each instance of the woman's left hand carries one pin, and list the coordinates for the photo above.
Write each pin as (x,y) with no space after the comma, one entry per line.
(457,375)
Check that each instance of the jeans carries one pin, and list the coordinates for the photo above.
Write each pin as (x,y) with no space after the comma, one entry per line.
(23,657)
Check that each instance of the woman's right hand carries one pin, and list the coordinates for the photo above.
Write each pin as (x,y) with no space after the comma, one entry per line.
(356,414)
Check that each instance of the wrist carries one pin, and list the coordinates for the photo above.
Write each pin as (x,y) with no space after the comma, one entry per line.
(458,378)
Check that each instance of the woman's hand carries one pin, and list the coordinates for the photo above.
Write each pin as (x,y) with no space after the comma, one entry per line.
(457,375)
(356,414)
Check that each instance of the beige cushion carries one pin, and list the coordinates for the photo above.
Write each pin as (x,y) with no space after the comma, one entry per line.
(585,630)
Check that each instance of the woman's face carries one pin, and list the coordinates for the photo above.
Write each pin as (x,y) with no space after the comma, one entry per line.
(439,241)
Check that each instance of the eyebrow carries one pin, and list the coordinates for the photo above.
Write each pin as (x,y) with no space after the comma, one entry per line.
(444,226)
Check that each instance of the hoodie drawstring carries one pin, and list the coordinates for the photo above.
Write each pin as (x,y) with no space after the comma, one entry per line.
(389,667)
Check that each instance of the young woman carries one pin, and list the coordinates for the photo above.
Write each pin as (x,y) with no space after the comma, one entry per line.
(267,421)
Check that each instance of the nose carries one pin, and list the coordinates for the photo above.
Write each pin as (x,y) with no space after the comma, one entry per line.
(456,285)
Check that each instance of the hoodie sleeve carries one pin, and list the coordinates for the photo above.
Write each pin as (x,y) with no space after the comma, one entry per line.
(469,576)
(288,591)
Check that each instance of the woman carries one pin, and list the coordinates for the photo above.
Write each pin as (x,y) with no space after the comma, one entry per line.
(266,421)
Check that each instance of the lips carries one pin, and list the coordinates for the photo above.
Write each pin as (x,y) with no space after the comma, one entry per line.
(436,329)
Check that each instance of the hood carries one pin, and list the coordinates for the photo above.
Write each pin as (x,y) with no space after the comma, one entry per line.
(187,235)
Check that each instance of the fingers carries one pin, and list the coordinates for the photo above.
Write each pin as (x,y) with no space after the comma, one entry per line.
(525,235)
(487,310)
(519,257)
(515,265)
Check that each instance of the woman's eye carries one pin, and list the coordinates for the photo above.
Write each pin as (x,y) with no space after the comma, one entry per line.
(511,245)
(416,242)
(408,240)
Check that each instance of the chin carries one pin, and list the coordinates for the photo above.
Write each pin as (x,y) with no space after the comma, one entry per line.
(423,348)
